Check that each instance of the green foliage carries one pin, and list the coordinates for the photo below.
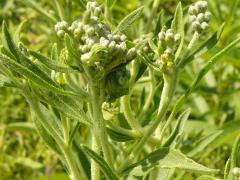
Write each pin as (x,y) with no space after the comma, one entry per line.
(119,89)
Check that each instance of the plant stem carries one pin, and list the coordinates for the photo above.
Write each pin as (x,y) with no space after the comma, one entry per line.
(98,121)
(150,96)
(170,80)
(95,171)
(129,115)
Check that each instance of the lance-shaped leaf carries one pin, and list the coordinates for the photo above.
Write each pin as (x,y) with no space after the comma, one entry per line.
(72,51)
(117,136)
(18,31)
(178,27)
(36,78)
(178,130)
(235,158)
(21,126)
(106,169)
(68,106)
(203,143)
(53,65)
(165,158)
(48,139)
(129,19)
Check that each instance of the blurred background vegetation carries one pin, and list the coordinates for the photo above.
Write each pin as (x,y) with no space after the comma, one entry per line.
(215,104)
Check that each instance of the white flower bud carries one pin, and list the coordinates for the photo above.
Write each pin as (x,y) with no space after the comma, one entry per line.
(168,51)
(60,33)
(63,25)
(202,5)
(192,10)
(89,42)
(170,31)
(104,43)
(204,25)
(97,11)
(90,31)
(85,48)
(131,53)
(146,49)
(161,36)
(123,46)
(207,16)
(169,36)
(192,18)
(85,58)
(177,37)
(94,18)
(102,39)
(123,37)
(200,17)
(77,32)
(196,26)
(112,45)
(116,37)
(110,37)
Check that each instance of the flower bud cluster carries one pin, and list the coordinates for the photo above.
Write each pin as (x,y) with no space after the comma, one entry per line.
(199,16)
(92,32)
(61,28)
(169,41)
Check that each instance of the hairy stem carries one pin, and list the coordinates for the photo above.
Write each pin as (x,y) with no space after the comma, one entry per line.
(98,122)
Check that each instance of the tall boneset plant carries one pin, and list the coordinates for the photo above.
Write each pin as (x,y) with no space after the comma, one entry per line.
(81,96)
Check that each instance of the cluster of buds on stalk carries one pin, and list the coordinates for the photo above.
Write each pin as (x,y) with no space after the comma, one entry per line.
(168,43)
(97,45)
(199,16)
(61,28)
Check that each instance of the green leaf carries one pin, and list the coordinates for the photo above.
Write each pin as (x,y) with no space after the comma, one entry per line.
(70,47)
(39,9)
(117,136)
(207,177)
(106,169)
(68,106)
(83,159)
(129,19)
(235,157)
(203,143)
(178,130)
(27,162)
(165,158)
(21,126)
(178,27)
(47,138)
(5,82)
(8,41)
(110,3)
(229,132)
(204,47)
(53,65)
(36,78)
(17,37)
